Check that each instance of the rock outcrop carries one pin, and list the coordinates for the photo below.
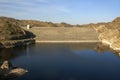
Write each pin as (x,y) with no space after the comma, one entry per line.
(109,34)
(7,71)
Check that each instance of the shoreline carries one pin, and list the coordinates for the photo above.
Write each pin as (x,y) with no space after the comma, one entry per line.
(75,41)
(16,43)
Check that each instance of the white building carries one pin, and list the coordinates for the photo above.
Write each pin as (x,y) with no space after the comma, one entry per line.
(28,26)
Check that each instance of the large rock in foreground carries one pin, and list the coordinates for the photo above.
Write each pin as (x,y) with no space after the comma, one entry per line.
(7,71)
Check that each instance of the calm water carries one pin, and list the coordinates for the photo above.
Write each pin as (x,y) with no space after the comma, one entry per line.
(64,62)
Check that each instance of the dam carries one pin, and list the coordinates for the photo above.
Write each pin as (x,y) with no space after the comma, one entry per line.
(64,34)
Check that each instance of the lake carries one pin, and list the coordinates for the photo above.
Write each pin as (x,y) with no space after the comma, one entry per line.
(64,61)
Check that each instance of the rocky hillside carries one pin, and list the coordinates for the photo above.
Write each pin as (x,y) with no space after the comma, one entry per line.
(10,29)
(109,34)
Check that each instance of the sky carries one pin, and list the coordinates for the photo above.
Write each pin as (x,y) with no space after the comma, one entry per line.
(69,11)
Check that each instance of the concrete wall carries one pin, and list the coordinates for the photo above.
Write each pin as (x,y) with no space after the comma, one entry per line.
(64,33)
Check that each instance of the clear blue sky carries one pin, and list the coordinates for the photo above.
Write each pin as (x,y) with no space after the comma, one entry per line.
(70,11)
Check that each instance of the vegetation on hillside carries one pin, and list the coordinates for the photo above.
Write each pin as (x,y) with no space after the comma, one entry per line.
(10,29)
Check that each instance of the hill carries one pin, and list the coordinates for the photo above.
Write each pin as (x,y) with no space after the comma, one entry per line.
(109,34)
(10,29)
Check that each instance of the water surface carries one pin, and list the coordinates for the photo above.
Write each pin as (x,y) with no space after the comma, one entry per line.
(64,62)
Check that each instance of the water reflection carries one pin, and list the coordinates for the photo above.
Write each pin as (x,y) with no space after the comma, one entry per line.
(50,47)
(65,62)
(101,48)
(72,46)
(11,53)
(7,54)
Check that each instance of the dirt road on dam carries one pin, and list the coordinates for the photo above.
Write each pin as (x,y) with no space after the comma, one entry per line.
(64,34)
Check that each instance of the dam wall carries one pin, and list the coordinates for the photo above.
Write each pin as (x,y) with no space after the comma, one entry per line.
(64,34)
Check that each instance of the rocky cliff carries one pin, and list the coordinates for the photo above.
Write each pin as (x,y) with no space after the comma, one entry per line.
(109,34)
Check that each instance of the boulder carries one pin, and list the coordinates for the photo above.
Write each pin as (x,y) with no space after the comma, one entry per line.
(7,71)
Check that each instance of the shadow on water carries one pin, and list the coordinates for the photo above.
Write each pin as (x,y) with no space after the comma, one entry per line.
(30,34)
(12,53)
(9,53)
(64,62)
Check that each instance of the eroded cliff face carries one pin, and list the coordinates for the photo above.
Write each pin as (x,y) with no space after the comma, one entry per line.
(109,34)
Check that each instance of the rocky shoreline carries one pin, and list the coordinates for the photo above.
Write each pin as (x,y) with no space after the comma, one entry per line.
(16,43)
(109,37)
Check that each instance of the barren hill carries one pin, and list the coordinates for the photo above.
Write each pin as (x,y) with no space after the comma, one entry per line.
(109,34)
(10,29)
